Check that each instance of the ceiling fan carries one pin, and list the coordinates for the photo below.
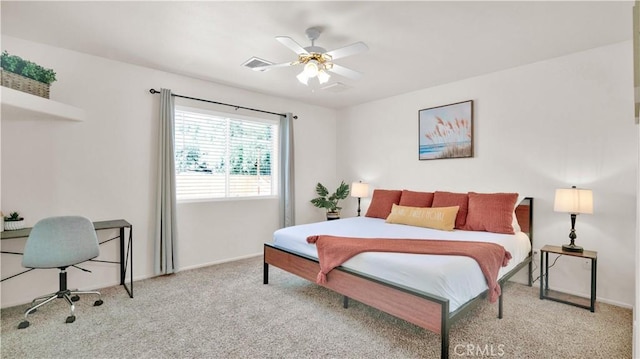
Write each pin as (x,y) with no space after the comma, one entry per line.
(317,61)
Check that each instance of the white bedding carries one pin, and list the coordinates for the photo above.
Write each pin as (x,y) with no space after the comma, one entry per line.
(456,278)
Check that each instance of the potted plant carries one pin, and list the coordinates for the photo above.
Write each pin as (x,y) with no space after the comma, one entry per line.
(13,222)
(330,202)
(25,76)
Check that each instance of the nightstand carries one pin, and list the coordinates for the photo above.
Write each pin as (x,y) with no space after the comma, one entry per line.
(546,293)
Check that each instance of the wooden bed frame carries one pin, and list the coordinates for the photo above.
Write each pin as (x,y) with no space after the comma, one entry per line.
(425,310)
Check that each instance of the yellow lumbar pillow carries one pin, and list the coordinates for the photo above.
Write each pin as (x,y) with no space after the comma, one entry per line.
(443,218)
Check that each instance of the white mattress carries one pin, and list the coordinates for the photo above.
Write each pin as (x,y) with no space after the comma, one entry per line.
(456,278)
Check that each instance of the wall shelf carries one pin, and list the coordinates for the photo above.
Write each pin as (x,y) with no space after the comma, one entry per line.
(17,104)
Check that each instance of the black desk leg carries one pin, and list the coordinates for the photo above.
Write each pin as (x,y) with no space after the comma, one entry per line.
(594,269)
(126,259)
(542,274)
(122,257)
(131,260)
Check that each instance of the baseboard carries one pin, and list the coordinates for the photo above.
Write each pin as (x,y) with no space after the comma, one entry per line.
(220,262)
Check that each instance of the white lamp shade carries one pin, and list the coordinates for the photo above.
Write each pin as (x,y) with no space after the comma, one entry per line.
(311,68)
(323,76)
(359,189)
(573,200)
(303,78)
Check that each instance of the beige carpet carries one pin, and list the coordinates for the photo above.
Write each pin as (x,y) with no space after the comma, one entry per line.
(225,311)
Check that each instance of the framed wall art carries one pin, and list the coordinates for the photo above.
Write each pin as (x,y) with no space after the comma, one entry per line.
(446,131)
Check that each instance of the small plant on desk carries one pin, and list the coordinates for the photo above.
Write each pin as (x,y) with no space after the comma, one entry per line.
(13,222)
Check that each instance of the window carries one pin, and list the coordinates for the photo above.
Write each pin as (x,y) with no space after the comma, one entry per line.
(224,156)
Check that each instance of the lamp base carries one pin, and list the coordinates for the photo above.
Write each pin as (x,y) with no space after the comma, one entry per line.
(572,248)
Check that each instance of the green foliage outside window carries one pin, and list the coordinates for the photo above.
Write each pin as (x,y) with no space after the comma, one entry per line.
(249,156)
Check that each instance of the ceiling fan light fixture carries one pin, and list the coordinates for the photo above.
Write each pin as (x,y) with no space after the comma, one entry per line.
(311,68)
(323,76)
(303,78)
(315,60)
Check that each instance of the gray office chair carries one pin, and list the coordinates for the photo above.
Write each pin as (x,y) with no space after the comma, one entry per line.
(60,242)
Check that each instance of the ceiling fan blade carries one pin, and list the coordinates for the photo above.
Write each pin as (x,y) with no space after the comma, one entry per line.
(268,67)
(291,44)
(348,50)
(343,71)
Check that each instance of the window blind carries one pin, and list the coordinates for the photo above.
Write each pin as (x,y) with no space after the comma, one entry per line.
(223,156)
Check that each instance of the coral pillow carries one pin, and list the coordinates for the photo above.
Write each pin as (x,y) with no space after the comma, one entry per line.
(491,212)
(416,199)
(449,199)
(382,201)
(443,218)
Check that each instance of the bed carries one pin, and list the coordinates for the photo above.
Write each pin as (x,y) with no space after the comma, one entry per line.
(449,286)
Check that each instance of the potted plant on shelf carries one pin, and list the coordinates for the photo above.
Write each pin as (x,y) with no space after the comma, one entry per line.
(13,222)
(330,202)
(25,76)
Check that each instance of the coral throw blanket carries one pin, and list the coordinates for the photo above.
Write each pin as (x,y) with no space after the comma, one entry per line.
(333,251)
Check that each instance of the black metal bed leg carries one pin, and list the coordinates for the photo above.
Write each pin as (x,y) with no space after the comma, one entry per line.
(265,278)
(345,301)
(444,352)
(531,273)
(500,303)
(444,331)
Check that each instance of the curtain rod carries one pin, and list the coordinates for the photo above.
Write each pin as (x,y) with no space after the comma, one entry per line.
(153,91)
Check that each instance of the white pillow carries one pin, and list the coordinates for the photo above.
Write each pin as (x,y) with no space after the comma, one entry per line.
(514,222)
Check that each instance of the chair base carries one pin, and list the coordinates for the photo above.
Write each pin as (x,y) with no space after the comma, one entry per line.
(69,295)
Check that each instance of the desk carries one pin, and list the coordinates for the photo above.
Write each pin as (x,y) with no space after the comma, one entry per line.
(126,259)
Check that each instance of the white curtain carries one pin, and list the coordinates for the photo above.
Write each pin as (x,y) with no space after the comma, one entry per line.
(165,237)
(286,171)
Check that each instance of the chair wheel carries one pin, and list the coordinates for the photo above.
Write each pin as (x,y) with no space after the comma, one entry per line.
(23,324)
(71,319)
(75,298)
(98,302)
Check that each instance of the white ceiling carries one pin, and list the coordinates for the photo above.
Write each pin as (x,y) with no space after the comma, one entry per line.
(412,45)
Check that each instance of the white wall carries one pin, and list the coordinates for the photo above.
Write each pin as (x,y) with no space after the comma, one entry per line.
(553,124)
(105,167)
(538,127)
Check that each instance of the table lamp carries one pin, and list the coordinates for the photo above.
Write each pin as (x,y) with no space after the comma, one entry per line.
(359,190)
(574,201)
